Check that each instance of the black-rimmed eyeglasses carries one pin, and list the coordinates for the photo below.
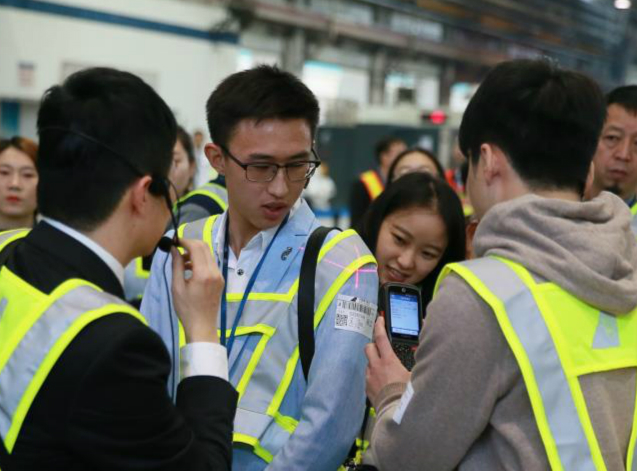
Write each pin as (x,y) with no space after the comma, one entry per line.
(261,172)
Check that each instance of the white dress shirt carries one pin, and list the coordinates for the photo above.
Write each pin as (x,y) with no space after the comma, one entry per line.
(240,270)
(90,244)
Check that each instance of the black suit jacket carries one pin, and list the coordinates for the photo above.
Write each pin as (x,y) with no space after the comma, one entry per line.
(105,405)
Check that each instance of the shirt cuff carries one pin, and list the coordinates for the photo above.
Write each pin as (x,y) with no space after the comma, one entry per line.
(203,359)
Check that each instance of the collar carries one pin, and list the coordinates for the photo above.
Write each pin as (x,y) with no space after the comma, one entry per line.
(631,201)
(101,252)
(260,241)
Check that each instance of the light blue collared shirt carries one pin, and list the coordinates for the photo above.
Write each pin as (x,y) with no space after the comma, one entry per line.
(330,407)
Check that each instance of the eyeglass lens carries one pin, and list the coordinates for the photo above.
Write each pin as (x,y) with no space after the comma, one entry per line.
(296,171)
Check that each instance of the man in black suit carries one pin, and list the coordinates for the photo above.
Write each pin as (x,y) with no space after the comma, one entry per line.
(82,379)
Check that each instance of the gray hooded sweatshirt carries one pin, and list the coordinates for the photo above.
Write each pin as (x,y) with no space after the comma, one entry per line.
(470,408)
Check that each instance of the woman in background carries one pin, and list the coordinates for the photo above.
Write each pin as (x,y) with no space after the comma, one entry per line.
(415,159)
(414,228)
(184,166)
(18,183)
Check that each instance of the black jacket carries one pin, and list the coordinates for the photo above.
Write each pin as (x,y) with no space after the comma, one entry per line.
(104,404)
(359,201)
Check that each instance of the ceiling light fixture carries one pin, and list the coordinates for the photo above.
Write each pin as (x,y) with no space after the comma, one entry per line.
(623,4)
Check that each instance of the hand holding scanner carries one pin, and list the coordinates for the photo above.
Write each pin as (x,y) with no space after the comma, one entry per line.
(402,308)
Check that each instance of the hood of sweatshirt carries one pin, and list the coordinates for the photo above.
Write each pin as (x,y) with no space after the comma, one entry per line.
(587,248)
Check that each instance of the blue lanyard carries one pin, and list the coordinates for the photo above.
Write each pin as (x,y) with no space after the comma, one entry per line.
(253,278)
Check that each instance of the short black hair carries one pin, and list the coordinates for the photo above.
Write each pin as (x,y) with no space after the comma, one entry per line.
(545,119)
(419,150)
(100,130)
(263,92)
(425,191)
(625,96)
(384,144)
(186,141)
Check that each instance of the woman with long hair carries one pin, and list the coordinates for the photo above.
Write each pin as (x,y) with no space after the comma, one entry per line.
(414,228)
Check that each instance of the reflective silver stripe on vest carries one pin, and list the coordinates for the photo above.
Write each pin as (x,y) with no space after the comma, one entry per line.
(633,224)
(6,235)
(218,190)
(3,306)
(194,230)
(27,357)
(528,323)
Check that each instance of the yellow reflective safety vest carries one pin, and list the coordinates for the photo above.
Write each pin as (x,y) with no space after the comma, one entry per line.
(272,317)
(373,184)
(633,224)
(212,191)
(556,339)
(135,279)
(35,329)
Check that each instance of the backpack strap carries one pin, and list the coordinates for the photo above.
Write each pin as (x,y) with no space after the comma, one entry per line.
(307,279)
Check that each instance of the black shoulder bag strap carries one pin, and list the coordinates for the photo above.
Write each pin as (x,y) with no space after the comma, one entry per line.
(307,280)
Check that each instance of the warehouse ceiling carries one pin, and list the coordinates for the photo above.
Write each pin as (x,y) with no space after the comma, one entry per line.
(589,35)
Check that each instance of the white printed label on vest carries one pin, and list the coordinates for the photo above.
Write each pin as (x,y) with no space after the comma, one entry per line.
(404,402)
(355,314)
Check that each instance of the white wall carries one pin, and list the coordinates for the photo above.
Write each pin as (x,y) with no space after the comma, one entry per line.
(183,70)
(28,119)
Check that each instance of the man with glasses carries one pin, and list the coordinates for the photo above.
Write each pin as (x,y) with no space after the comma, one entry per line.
(263,122)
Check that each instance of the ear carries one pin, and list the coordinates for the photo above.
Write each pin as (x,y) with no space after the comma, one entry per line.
(488,163)
(495,162)
(214,154)
(140,194)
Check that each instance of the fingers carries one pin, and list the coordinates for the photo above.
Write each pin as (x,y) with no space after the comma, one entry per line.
(381,339)
(178,269)
(371,352)
(201,262)
(195,255)
(197,298)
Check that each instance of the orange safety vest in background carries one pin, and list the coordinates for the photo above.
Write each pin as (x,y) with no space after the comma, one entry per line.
(373,184)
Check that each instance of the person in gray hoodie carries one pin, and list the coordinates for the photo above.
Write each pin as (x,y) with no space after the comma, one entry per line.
(526,361)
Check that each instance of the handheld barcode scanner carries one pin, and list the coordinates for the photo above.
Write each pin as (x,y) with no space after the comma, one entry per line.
(401,305)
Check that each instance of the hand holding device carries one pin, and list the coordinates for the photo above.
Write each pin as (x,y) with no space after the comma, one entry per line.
(402,307)
(196,298)
(383,367)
